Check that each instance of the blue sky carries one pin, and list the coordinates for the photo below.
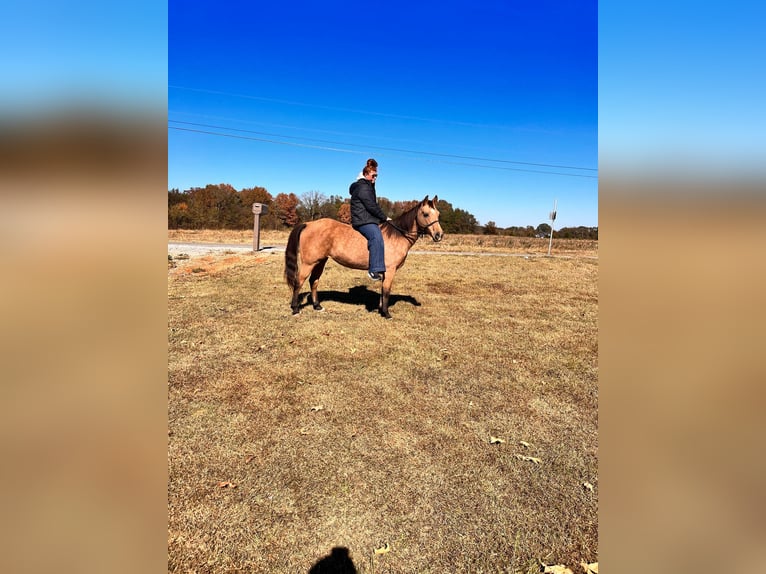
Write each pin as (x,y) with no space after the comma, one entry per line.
(682,89)
(492,106)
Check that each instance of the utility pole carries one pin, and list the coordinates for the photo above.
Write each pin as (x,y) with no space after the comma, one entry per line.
(552,216)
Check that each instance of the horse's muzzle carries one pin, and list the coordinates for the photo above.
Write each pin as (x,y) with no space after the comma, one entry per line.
(438,236)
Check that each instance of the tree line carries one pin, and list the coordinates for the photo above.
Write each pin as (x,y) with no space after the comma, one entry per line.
(221,206)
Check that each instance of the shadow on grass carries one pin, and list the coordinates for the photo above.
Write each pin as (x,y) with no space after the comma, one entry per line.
(337,562)
(359,295)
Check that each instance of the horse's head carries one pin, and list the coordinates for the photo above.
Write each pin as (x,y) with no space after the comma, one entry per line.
(428,219)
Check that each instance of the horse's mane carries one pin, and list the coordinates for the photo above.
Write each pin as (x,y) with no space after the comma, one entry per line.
(405,219)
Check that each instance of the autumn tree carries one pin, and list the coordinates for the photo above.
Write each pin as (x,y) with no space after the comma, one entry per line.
(386,205)
(178,210)
(178,216)
(344,213)
(543,230)
(490,228)
(175,196)
(220,206)
(213,207)
(580,232)
(456,220)
(332,205)
(400,207)
(250,195)
(517,231)
(285,206)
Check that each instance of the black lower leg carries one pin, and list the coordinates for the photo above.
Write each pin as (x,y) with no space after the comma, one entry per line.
(315,298)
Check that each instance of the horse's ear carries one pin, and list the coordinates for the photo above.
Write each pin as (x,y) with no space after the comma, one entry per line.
(425,200)
(435,200)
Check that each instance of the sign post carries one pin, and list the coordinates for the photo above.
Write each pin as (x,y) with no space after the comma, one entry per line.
(552,216)
(258,210)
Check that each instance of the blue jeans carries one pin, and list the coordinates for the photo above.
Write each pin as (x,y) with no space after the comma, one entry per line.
(375,245)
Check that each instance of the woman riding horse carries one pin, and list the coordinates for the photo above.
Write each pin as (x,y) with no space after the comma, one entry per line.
(316,241)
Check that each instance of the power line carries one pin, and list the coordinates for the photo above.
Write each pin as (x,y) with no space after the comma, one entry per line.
(333,108)
(398,150)
(387,148)
(354,151)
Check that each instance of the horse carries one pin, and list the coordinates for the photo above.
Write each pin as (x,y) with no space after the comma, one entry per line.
(316,241)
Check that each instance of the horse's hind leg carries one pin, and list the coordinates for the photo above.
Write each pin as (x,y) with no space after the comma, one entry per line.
(303,273)
(294,304)
(316,273)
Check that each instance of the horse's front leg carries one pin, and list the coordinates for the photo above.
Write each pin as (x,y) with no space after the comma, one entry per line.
(385,292)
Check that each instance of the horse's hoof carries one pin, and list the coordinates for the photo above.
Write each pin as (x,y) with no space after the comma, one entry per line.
(296,312)
(318,308)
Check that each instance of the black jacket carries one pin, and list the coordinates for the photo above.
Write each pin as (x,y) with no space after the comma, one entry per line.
(364,204)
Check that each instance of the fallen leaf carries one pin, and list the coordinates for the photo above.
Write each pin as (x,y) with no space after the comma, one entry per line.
(590,568)
(304,431)
(226,484)
(317,408)
(249,459)
(588,486)
(524,443)
(557,569)
(528,458)
(385,549)
(495,440)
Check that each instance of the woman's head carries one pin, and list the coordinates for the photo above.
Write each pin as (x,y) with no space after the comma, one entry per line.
(369,172)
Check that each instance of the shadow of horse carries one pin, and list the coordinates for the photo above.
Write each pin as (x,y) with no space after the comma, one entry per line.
(337,562)
(359,295)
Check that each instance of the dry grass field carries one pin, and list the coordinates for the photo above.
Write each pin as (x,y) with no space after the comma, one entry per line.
(474,243)
(292,436)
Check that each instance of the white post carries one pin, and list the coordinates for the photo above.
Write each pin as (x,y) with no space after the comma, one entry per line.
(553,218)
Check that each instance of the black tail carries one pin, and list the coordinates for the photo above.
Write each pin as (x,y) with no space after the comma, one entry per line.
(291,256)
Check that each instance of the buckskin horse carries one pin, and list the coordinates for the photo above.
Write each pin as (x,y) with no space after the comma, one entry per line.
(315,241)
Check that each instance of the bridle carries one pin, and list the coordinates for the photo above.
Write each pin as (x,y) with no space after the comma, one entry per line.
(420,233)
(424,227)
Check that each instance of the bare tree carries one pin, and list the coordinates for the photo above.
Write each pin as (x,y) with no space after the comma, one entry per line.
(310,205)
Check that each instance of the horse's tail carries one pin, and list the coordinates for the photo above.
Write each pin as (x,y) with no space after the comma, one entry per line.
(291,256)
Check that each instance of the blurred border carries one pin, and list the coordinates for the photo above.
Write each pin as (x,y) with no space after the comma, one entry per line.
(83,151)
(682,182)
(681,376)
(83,178)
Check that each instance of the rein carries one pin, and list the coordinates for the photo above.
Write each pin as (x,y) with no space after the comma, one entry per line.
(403,232)
(420,232)
(399,229)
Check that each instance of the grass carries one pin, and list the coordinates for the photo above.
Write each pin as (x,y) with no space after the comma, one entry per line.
(451,242)
(342,429)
